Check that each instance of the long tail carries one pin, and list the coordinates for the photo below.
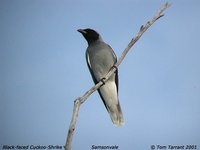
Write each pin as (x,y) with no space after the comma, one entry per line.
(116,115)
(108,93)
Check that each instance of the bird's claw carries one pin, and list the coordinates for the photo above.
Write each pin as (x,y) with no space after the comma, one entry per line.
(114,66)
(103,80)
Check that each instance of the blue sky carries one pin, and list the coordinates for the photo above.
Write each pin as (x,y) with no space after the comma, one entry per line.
(43,70)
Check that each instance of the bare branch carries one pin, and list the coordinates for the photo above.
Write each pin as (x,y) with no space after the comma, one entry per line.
(72,124)
(81,100)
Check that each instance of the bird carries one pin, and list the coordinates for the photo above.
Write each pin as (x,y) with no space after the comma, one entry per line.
(100,59)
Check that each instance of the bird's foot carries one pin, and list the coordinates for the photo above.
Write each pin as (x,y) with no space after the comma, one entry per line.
(103,80)
(114,66)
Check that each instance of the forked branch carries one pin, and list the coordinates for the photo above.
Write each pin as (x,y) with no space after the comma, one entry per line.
(81,100)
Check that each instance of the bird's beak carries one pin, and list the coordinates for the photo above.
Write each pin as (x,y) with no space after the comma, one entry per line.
(82,31)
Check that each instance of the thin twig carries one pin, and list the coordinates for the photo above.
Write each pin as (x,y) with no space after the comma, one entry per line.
(81,100)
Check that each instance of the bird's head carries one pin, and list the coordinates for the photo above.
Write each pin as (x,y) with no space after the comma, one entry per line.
(90,35)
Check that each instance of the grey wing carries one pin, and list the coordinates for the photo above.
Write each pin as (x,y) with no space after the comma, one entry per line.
(116,72)
(116,79)
(91,72)
(95,80)
(93,77)
(89,66)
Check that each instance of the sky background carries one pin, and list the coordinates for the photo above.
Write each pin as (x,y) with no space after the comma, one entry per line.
(43,70)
